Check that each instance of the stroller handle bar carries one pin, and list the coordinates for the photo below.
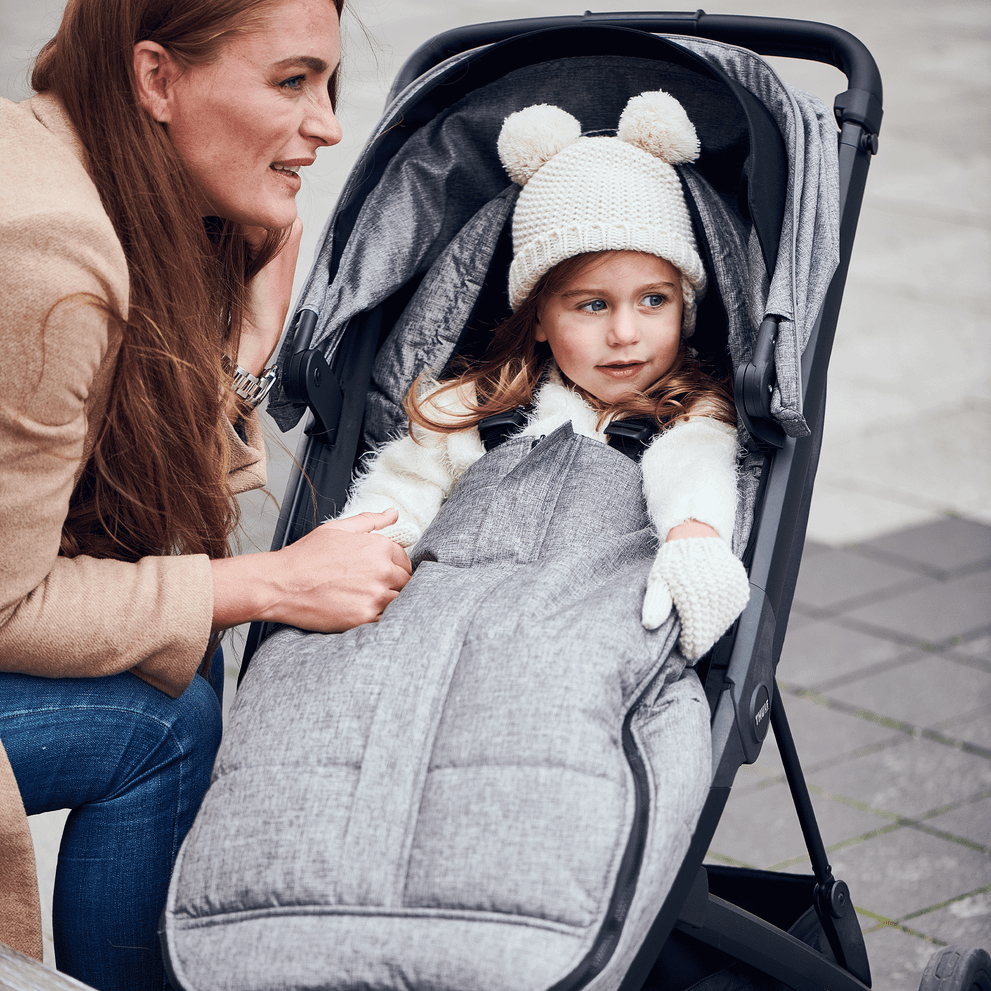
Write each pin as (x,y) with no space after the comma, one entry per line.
(764,35)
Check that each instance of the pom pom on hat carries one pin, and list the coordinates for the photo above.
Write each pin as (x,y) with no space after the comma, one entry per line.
(657,123)
(531,137)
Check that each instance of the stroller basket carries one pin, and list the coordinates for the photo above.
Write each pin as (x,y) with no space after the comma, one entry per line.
(800,931)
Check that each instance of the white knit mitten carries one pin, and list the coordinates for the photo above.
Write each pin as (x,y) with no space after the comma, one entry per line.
(705,582)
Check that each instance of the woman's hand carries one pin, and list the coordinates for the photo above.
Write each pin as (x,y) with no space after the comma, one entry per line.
(269,295)
(340,575)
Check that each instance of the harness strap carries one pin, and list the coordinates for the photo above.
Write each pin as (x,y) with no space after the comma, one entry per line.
(631,437)
(501,426)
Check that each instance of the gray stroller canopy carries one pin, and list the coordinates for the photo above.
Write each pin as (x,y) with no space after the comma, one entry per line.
(422,225)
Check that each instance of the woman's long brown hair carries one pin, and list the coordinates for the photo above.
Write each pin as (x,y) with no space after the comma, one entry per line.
(156,482)
(514,364)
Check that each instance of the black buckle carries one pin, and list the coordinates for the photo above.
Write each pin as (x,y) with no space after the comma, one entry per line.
(498,427)
(631,436)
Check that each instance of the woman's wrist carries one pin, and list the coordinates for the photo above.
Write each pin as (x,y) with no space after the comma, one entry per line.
(253,354)
(244,589)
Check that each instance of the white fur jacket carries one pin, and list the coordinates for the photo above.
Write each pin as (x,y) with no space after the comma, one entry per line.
(689,471)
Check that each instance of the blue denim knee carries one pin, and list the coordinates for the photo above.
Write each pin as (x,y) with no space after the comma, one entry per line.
(133,765)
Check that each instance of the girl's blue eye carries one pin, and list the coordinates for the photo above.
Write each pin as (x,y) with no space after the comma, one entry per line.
(294,83)
(594,306)
(654,299)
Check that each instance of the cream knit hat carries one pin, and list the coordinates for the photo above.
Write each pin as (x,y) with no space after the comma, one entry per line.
(584,194)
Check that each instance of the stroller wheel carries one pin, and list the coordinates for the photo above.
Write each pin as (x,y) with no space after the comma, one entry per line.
(957,968)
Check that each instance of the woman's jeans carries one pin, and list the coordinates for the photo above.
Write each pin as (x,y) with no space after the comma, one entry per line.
(133,765)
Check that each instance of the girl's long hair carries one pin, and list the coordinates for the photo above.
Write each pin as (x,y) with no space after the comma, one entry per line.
(515,362)
(156,482)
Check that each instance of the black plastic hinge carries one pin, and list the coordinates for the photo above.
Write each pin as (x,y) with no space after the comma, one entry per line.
(307,378)
(753,384)
(859,106)
(838,918)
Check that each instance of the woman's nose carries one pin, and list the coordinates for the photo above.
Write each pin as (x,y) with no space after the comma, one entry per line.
(321,122)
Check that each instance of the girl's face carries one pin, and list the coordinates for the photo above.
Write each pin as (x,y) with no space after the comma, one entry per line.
(614,327)
(247,122)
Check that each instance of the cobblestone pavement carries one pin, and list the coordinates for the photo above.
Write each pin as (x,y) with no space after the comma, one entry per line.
(886,670)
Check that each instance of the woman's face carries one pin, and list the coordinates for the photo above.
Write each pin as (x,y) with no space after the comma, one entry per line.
(246,123)
(614,327)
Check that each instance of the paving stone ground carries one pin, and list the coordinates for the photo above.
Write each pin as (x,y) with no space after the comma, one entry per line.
(886,680)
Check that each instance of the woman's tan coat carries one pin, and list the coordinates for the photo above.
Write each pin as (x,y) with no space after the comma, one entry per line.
(78,617)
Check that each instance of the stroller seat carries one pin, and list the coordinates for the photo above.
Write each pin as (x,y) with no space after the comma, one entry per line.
(369,821)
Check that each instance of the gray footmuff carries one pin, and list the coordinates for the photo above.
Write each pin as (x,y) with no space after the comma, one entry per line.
(490,789)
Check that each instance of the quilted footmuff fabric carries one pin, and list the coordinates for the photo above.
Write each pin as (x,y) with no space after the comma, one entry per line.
(491,789)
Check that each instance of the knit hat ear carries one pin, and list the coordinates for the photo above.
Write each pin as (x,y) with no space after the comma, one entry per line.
(657,123)
(531,137)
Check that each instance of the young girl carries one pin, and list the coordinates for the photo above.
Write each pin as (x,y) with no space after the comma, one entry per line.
(604,284)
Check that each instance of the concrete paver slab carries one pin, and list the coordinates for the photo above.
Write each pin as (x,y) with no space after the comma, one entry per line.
(898,959)
(971,822)
(825,736)
(975,731)
(909,465)
(849,508)
(819,652)
(911,779)
(933,614)
(924,690)
(903,872)
(761,829)
(966,921)
(978,647)
(841,577)
(949,544)
(46,834)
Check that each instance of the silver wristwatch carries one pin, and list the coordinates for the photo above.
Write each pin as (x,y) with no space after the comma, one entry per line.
(252,389)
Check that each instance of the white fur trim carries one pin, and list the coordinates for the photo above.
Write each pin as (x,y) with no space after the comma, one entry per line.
(689,473)
(409,477)
(464,448)
(416,476)
(531,137)
(557,404)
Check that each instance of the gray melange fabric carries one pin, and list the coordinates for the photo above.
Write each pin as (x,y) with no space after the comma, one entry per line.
(441,800)
(740,277)
(808,253)
(427,333)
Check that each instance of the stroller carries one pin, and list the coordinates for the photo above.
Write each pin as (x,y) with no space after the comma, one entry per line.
(389,297)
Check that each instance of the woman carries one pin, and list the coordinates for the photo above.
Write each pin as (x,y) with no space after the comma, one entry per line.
(146,259)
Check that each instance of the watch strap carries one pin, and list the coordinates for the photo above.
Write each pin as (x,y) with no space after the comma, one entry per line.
(251,389)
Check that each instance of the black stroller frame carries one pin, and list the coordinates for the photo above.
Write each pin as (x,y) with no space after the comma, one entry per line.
(738,914)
